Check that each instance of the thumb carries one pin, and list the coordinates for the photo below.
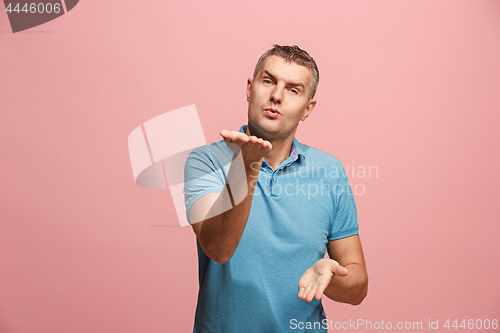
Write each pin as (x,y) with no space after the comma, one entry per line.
(339,270)
(227,135)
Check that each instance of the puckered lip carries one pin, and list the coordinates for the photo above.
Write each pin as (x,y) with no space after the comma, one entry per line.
(272,109)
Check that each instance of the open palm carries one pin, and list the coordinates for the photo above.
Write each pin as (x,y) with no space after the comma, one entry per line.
(315,279)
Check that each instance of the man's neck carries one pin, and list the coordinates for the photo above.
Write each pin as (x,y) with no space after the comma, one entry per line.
(281,149)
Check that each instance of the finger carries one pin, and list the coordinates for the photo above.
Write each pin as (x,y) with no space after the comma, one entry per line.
(234,136)
(253,139)
(265,146)
(336,268)
(304,281)
(227,135)
(306,292)
(340,270)
(318,294)
(257,143)
(240,139)
(240,136)
(311,293)
(320,290)
(301,291)
(248,146)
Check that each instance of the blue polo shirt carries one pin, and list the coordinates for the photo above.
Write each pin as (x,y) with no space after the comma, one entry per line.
(296,209)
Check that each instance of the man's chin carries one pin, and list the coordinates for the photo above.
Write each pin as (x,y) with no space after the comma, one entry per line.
(265,131)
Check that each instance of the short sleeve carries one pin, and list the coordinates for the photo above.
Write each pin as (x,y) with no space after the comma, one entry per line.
(202,175)
(345,222)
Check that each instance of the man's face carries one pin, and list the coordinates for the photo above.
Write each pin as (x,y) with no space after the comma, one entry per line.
(278,98)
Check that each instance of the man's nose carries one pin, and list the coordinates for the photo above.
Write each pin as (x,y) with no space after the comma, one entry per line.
(277,94)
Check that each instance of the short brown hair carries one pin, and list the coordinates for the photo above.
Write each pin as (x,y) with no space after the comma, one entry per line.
(298,56)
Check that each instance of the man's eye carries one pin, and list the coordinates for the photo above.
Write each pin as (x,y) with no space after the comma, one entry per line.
(267,81)
(295,91)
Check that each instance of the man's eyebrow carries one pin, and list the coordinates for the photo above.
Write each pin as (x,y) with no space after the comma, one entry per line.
(289,83)
(269,74)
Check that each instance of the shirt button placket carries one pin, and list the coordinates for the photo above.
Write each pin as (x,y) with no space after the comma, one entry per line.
(273,184)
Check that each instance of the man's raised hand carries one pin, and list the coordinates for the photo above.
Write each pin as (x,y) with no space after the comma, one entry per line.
(253,149)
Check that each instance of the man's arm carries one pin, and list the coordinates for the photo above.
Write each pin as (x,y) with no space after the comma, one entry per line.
(343,278)
(219,230)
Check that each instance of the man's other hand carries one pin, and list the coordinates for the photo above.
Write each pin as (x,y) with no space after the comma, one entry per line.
(315,279)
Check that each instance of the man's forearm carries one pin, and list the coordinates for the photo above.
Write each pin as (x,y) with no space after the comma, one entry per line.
(351,288)
(220,234)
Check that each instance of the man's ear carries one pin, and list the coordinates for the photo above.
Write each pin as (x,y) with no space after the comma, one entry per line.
(249,88)
(309,108)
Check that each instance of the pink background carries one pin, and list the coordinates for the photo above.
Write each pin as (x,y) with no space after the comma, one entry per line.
(409,87)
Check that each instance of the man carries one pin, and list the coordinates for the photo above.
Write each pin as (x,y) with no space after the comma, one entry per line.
(264,222)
